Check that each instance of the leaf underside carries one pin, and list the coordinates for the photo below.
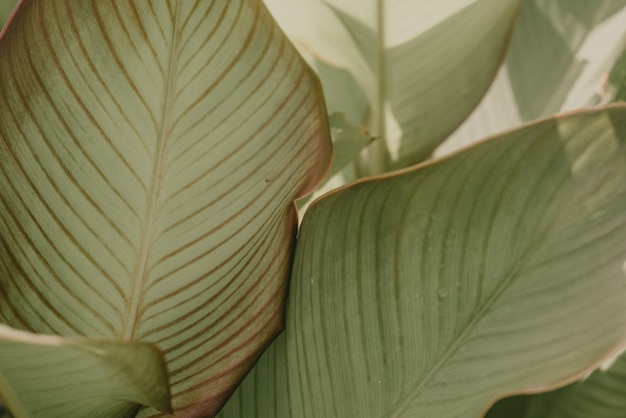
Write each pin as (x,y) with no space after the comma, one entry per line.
(150,154)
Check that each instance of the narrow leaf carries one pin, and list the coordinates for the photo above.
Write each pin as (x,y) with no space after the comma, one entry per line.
(435,291)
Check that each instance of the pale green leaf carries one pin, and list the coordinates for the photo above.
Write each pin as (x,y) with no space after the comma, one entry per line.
(558,60)
(341,92)
(150,154)
(348,142)
(422,65)
(435,291)
(48,376)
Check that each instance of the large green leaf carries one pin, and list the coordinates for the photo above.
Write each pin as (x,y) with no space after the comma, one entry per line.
(48,376)
(150,154)
(559,56)
(423,65)
(434,291)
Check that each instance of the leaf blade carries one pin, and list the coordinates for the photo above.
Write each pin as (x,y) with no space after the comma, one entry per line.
(150,157)
(558,56)
(104,377)
(423,67)
(438,307)
(599,395)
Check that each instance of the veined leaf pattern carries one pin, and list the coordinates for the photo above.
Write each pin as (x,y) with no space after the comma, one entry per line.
(494,271)
(150,153)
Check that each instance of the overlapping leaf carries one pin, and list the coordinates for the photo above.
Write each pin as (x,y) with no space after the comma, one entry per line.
(348,142)
(422,65)
(47,376)
(558,60)
(617,79)
(600,395)
(150,153)
(435,291)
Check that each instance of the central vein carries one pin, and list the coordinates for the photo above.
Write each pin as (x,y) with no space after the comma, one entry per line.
(149,229)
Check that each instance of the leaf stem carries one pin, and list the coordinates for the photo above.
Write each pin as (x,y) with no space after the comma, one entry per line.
(378,151)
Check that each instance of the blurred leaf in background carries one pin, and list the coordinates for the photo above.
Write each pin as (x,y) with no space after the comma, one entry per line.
(600,395)
(348,142)
(559,58)
(617,81)
(421,66)
(6,7)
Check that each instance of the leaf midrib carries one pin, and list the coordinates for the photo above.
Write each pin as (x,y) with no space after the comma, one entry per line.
(139,277)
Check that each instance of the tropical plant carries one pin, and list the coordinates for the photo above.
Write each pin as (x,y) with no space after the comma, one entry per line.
(150,155)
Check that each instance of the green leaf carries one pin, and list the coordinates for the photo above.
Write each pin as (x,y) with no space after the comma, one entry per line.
(435,291)
(423,65)
(513,407)
(150,154)
(558,60)
(341,92)
(348,142)
(49,376)
(6,7)
(617,79)
(601,395)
